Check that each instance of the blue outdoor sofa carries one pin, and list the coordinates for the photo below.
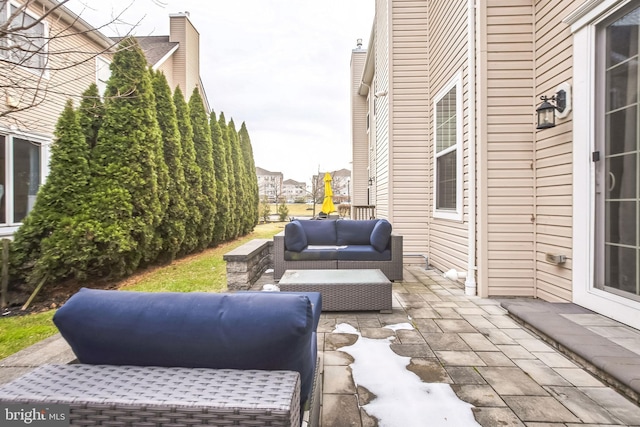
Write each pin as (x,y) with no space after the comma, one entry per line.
(338,244)
(245,358)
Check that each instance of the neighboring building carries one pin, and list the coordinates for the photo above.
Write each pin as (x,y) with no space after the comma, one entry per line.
(445,144)
(294,191)
(340,185)
(269,185)
(26,132)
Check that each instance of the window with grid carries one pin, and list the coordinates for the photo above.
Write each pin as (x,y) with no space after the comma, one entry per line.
(25,43)
(447,135)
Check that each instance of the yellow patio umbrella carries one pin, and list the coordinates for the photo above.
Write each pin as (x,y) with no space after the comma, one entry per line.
(327,204)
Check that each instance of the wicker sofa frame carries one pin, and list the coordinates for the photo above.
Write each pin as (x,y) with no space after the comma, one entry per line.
(143,395)
(392,268)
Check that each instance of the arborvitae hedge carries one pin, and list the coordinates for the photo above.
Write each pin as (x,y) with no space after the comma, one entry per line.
(193,177)
(90,113)
(172,227)
(223,213)
(125,165)
(204,158)
(110,205)
(59,197)
(231,229)
(239,174)
(252,196)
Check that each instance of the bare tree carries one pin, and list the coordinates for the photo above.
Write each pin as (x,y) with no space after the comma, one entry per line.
(30,56)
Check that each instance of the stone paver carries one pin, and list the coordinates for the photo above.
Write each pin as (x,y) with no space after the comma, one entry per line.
(510,375)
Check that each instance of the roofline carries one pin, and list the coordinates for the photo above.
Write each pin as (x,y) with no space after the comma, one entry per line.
(165,57)
(369,66)
(76,21)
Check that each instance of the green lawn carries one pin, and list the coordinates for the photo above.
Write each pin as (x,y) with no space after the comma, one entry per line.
(202,272)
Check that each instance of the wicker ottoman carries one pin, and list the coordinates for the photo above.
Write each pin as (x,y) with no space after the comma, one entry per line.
(342,290)
(154,396)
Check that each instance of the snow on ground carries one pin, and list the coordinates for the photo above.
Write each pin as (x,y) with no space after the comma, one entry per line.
(403,400)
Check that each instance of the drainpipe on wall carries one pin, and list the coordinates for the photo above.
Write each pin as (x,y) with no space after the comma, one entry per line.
(470,285)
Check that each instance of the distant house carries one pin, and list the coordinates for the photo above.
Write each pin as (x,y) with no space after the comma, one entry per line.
(270,185)
(446,144)
(35,91)
(294,191)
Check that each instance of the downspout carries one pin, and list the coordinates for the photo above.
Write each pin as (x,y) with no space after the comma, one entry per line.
(470,285)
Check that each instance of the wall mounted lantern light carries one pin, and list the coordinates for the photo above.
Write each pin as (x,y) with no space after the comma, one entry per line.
(558,105)
(371,182)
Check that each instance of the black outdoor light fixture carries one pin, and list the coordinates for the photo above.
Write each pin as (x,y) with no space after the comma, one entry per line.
(370,182)
(547,110)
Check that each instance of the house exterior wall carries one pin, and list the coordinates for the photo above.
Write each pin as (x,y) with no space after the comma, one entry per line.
(167,68)
(69,72)
(380,160)
(186,60)
(554,153)
(410,160)
(506,148)
(447,60)
(71,82)
(359,131)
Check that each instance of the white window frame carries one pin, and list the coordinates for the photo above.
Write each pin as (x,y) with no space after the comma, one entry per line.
(584,21)
(457,213)
(101,64)
(43,70)
(10,226)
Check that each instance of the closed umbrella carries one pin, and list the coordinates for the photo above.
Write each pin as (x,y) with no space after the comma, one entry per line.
(327,204)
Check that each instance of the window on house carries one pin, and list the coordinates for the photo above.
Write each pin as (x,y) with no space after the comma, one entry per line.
(25,43)
(447,135)
(20,177)
(103,72)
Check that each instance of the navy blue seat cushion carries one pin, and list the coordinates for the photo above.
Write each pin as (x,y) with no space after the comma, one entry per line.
(319,232)
(328,254)
(295,239)
(355,232)
(199,330)
(363,253)
(381,235)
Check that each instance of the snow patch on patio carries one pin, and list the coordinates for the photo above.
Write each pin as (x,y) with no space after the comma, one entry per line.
(403,400)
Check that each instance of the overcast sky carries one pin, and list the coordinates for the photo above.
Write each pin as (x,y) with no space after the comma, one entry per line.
(281,66)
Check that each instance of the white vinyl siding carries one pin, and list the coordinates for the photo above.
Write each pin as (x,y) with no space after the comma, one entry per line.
(553,155)
(411,129)
(447,24)
(506,200)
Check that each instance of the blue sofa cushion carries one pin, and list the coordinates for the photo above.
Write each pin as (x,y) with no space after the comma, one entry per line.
(381,235)
(355,232)
(314,297)
(204,330)
(328,254)
(295,239)
(363,253)
(322,232)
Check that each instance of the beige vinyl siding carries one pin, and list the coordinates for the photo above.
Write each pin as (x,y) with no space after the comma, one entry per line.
(359,132)
(380,154)
(411,165)
(506,149)
(553,155)
(64,84)
(448,239)
(167,68)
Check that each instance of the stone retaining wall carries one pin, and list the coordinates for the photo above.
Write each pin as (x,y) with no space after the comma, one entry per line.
(246,263)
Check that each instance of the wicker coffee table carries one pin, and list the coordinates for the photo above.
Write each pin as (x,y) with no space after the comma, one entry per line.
(342,290)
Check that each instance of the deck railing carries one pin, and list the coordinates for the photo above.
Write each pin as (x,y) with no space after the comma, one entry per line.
(363,211)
